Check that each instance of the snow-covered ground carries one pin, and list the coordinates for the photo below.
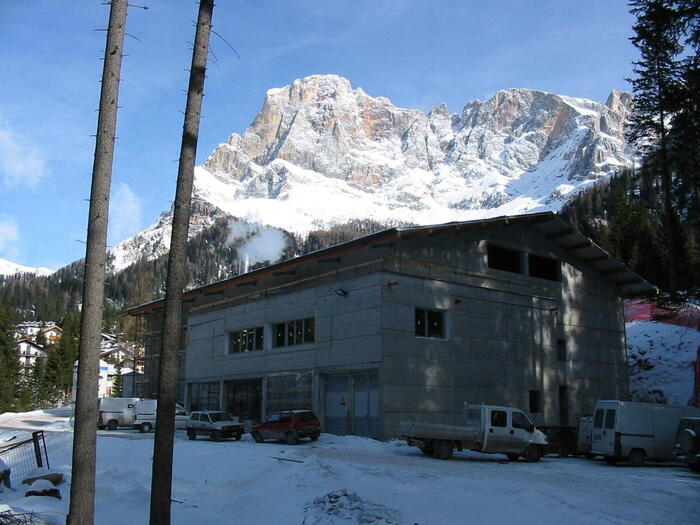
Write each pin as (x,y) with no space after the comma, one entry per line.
(661,358)
(349,480)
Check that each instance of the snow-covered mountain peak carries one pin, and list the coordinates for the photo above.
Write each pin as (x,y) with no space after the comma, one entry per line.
(10,268)
(320,152)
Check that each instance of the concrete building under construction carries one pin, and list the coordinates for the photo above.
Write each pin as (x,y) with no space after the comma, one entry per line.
(409,323)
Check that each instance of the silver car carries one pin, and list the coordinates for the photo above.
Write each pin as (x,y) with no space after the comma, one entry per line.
(214,423)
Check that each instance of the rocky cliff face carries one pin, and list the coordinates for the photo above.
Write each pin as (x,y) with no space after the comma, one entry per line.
(320,153)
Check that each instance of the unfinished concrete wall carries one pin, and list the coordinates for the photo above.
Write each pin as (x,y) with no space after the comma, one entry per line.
(347,333)
(502,332)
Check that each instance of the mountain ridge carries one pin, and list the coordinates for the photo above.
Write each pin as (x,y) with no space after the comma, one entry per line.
(320,153)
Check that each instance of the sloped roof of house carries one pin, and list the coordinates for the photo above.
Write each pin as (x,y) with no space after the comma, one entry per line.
(31,343)
(548,224)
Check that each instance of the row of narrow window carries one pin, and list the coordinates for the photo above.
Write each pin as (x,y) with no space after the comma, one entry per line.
(508,260)
(289,333)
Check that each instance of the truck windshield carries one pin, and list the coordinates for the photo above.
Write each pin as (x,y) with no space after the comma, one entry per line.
(521,421)
(610,418)
(598,421)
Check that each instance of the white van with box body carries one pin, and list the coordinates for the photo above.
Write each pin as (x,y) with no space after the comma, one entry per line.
(145,419)
(115,412)
(636,432)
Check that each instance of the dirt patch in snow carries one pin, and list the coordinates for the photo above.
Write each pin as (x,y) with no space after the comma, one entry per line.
(343,506)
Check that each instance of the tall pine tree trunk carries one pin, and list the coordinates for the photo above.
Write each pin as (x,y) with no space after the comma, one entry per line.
(82,491)
(161,481)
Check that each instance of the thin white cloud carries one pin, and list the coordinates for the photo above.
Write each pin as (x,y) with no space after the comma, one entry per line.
(21,162)
(125,209)
(9,238)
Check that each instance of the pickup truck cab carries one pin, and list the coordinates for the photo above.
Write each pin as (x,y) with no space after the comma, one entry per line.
(215,424)
(489,429)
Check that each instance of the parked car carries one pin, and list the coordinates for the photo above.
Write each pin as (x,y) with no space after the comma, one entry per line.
(115,412)
(215,424)
(688,442)
(289,425)
(145,419)
(636,432)
(490,429)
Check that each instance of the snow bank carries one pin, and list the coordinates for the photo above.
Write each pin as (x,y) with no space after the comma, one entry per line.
(661,359)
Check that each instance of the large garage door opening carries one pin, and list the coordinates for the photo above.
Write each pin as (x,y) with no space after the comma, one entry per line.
(352,404)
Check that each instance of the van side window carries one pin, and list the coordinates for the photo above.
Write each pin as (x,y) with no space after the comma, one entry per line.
(520,421)
(598,421)
(498,418)
(610,418)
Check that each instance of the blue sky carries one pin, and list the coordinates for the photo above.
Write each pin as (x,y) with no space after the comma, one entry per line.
(417,53)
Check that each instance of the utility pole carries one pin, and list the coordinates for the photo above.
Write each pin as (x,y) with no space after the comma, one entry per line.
(161,480)
(82,490)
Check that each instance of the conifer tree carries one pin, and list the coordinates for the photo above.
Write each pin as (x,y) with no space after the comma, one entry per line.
(118,382)
(40,338)
(9,363)
(656,86)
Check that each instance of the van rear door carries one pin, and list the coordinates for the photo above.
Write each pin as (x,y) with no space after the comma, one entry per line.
(603,437)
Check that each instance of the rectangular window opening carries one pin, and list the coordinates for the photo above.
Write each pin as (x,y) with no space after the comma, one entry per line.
(562,352)
(544,267)
(246,340)
(430,323)
(504,259)
(290,333)
(535,401)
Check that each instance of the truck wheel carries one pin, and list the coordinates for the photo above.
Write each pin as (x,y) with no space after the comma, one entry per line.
(512,456)
(694,466)
(636,457)
(313,437)
(427,449)
(290,438)
(191,434)
(237,437)
(112,424)
(215,435)
(443,449)
(589,455)
(610,460)
(145,427)
(533,453)
(257,436)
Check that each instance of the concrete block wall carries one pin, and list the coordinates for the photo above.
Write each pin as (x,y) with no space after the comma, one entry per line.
(502,332)
(347,334)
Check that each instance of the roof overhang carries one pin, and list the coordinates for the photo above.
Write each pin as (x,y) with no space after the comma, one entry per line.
(548,224)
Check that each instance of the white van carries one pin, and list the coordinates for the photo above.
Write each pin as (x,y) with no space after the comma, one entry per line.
(145,419)
(624,430)
(115,412)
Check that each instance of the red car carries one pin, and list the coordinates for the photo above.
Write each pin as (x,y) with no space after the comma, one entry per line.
(288,425)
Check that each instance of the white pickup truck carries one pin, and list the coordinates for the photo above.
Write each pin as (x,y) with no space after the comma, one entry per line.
(490,429)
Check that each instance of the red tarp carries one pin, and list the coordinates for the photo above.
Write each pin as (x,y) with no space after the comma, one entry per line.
(643,310)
